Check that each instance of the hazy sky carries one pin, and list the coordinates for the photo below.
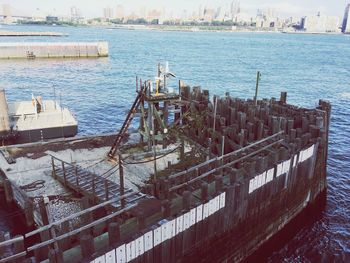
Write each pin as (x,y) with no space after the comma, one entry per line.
(91,8)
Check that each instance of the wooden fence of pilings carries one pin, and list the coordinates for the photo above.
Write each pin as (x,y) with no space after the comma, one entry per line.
(231,123)
(56,237)
(15,195)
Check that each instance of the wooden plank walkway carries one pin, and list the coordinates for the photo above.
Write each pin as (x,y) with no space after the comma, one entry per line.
(89,184)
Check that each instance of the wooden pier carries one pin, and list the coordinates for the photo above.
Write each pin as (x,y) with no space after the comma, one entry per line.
(260,164)
(31,34)
(32,50)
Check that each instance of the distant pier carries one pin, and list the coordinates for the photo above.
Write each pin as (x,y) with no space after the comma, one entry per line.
(31,34)
(32,50)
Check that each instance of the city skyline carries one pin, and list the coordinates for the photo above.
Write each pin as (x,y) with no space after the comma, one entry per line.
(90,8)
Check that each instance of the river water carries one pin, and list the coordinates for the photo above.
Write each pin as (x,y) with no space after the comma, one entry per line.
(308,67)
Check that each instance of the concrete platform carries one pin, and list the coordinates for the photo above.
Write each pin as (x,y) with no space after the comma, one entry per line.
(30,34)
(32,50)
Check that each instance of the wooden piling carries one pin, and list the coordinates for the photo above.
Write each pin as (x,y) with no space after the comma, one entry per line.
(87,246)
(8,191)
(113,233)
(29,213)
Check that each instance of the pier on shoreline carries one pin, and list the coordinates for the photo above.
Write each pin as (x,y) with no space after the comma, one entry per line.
(31,34)
(32,50)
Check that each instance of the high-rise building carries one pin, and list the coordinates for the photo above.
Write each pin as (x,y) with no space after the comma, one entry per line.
(346,20)
(73,11)
(7,13)
(75,15)
(320,24)
(119,12)
(107,13)
(235,8)
(143,12)
(200,12)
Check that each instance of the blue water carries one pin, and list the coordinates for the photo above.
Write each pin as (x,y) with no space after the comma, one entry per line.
(308,67)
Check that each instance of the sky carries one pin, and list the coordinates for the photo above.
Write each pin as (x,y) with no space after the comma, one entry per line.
(93,8)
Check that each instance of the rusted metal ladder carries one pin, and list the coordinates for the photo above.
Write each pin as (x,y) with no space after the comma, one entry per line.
(127,122)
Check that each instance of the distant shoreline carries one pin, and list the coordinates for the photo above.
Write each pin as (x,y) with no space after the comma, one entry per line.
(181,28)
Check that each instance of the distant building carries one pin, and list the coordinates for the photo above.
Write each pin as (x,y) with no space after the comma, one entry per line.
(346,21)
(209,14)
(320,24)
(143,12)
(154,15)
(75,15)
(235,8)
(52,19)
(7,13)
(267,19)
(119,12)
(107,13)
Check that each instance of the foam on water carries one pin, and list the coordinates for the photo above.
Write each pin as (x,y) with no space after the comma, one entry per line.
(345,95)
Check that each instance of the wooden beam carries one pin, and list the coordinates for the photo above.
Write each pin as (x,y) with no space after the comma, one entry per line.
(193,168)
(85,227)
(72,216)
(174,188)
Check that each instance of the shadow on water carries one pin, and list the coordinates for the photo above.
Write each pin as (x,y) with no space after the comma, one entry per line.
(305,219)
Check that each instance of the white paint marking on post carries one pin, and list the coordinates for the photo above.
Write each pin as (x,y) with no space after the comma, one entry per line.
(130,251)
(168,228)
(217,203)
(222,200)
(164,232)
(110,256)
(179,224)
(172,228)
(286,166)
(264,178)
(121,254)
(157,236)
(205,210)
(148,240)
(256,183)
(199,213)
(140,246)
(192,216)
(187,220)
(251,186)
(279,169)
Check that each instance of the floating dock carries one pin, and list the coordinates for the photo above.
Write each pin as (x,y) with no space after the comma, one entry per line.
(35,120)
(32,50)
(209,179)
(30,34)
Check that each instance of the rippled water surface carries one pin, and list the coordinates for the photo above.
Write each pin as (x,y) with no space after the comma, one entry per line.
(308,67)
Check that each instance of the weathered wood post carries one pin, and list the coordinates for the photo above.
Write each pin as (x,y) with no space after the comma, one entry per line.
(106,190)
(76,175)
(43,212)
(87,246)
(166,208)
(8,191)
(29,213)
(121,179)
(65,243)
(204,192)
(64,174)
(53,167)
(55,256)
(113,233)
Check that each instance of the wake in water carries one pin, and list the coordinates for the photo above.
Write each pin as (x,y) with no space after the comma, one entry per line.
(345,95)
